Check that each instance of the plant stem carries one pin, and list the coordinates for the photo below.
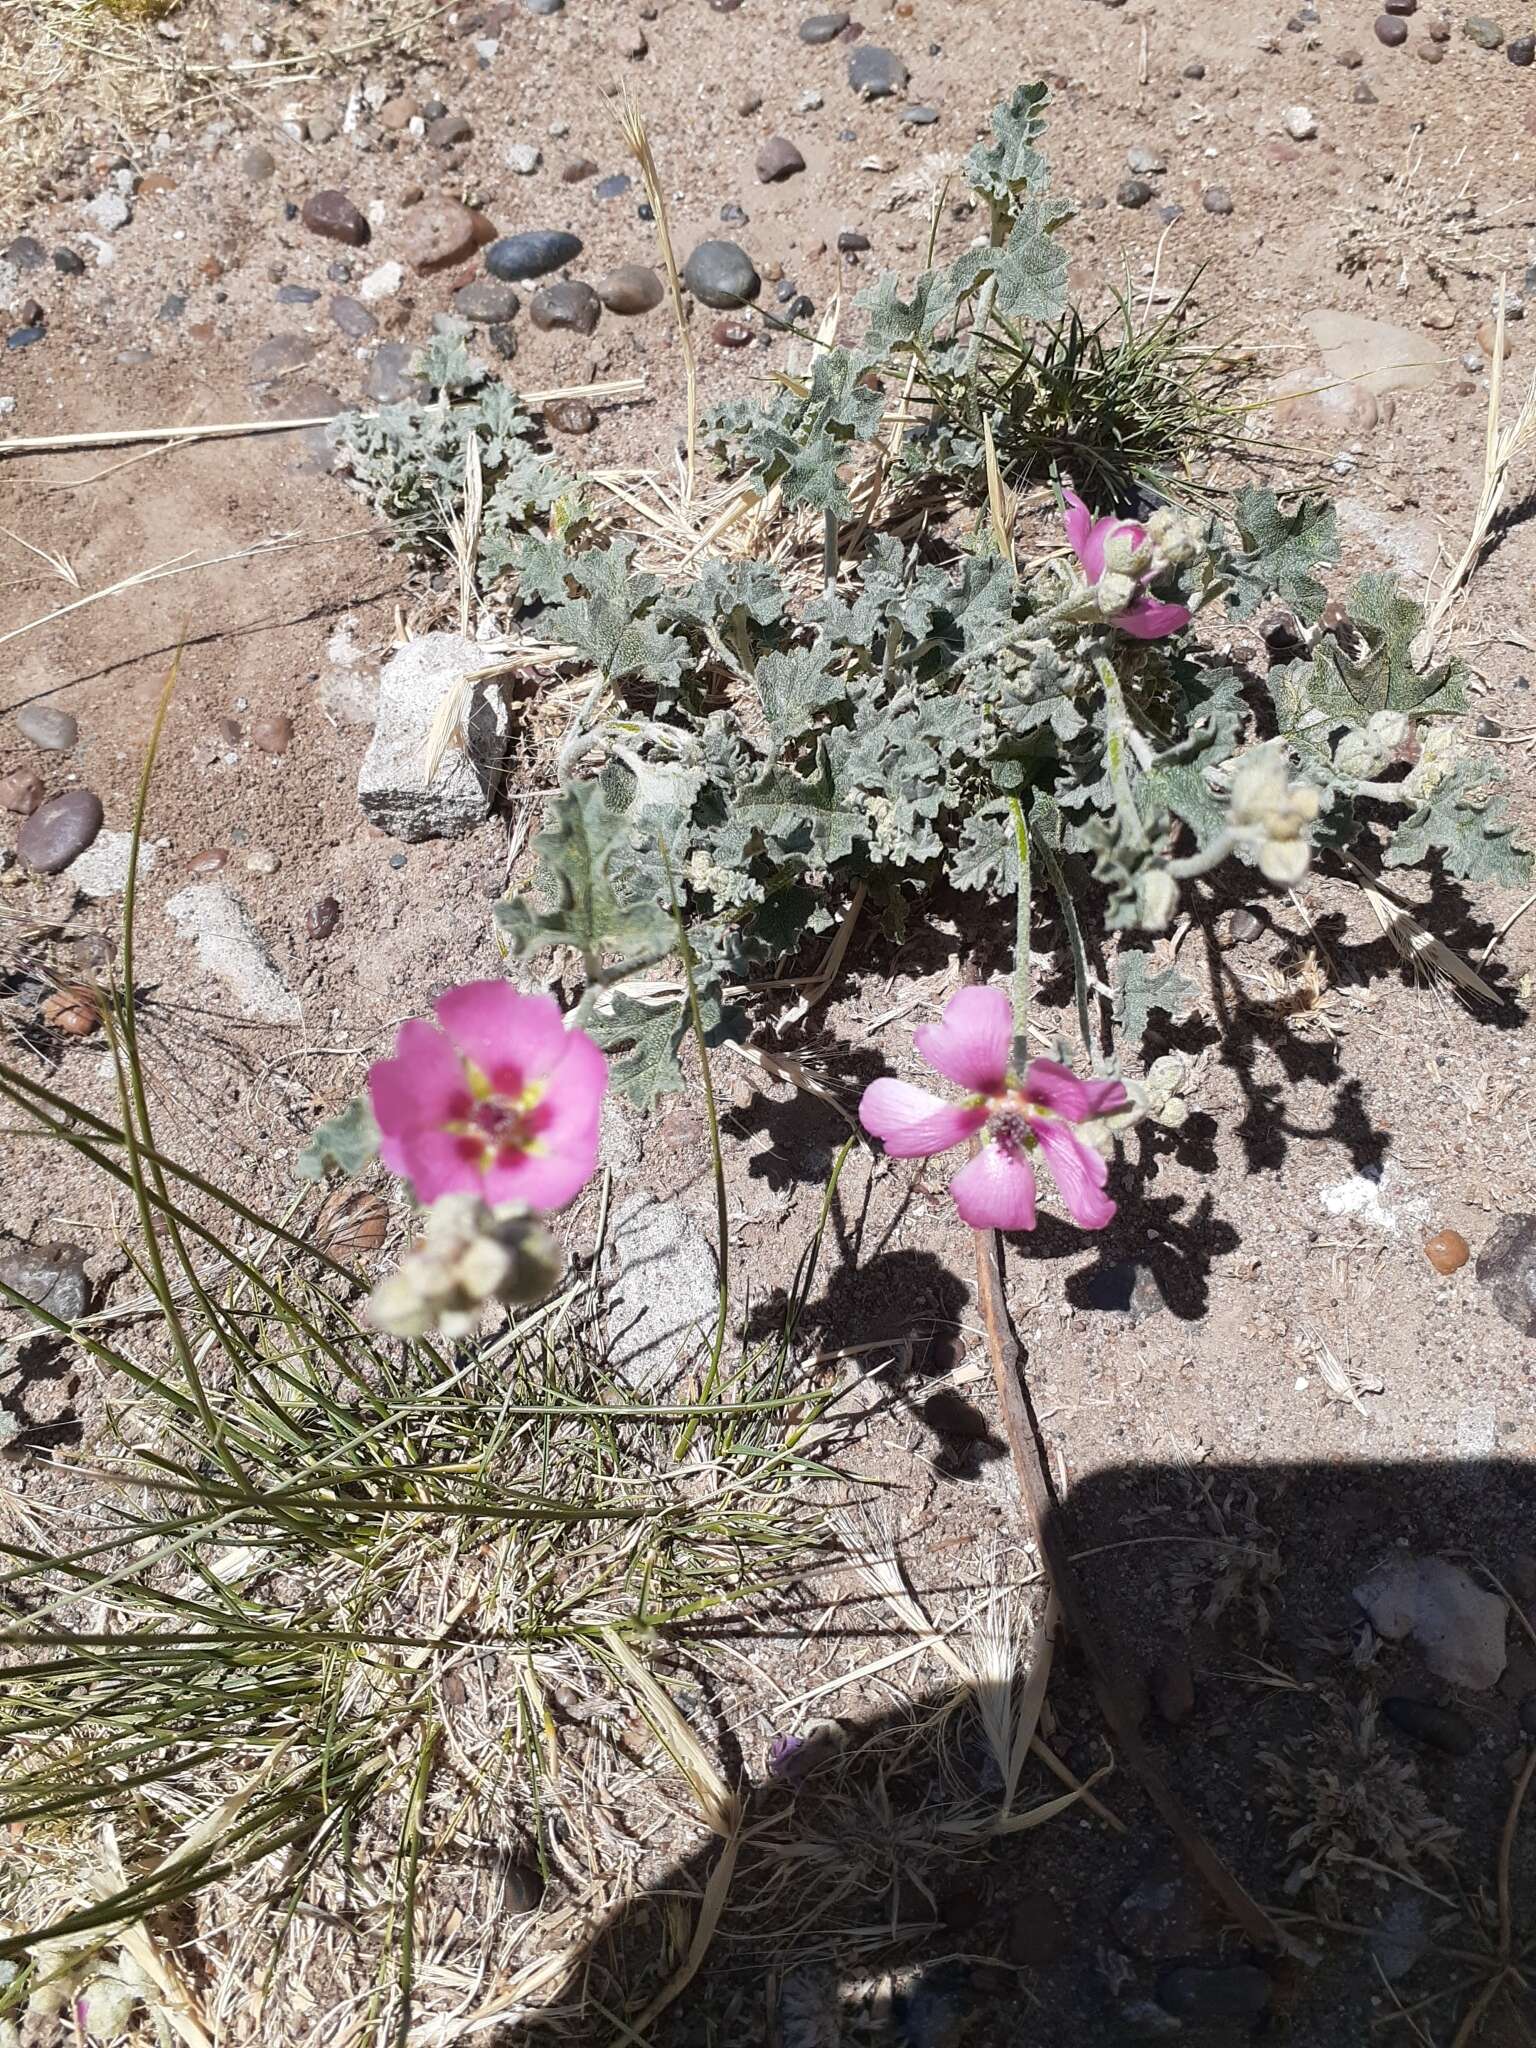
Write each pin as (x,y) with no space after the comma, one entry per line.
(1118,739)
(1207,858)
(1021,941)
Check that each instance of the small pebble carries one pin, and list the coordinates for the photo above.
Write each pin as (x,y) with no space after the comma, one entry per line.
(48,728)
(68,264)
(73,1010)
(208,860)
(577,171)
(1391,30)
(1447,1251)
(876,74)
(1401,6)
(1351,59)
(261,861)
(24,253)
(449,129)
(21,792)
(1521,50)
(321,128)
(296,295)
(851,242)
(1216,199)
(570,416)
(437,235)
(1146,163)
(27,337)
(1441,1728)
(1362,95)
(273,735)
(630,289)
(572,307)
(1488,338)
(778,159)
(353,319)
(1430,53)
(486,302)
(398,113)
(333,215)
(1300,123)
(522,159)
(532,254)
(324,914)
(822,28)
(720,274)
(59,831)
(1487,35)
(1133,192)
(919,116)
(1194,69)
(731,333)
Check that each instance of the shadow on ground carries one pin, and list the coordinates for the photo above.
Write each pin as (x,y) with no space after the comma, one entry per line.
(1359,1797)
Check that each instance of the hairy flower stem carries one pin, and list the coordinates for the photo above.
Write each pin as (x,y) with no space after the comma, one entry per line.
(1209,857)
(1120,740)
(1021,940)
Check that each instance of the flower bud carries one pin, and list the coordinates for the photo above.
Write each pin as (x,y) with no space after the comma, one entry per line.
(1157,898)
(470,1256)
(1114,592)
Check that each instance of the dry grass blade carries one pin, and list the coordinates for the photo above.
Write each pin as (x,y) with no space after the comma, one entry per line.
(1501,446)
(718,1805)
(1002,504)
(1418,949)
(59,564)
(632,121)
(124,437)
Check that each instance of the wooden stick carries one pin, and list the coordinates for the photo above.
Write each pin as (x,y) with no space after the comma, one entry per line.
(121,437)
(1028,1464)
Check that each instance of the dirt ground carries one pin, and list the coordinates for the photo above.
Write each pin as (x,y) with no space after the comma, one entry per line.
(1176,1365)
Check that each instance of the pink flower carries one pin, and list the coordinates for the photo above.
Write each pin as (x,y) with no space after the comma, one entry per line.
(1144,618)
(996,1191)
(502,1102)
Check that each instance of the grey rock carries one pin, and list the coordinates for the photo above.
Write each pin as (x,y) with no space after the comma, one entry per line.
(522,159)
(876,74)
(279,355)
(533,254)
(1215,1991)
(1487,35)
(108,212)
(229,947)
(1216,199)
(448,129)
(68,264)
(822,28)
(1146,163)
(353,318)
(389,375)
(392,786)
(1401,1937)
(1133,192)
(487,302)
(1457,1624)
(663,1292)
(102,870)
(59,831)
(721,274)
(296,295)
(631,288)
(1439,1728)
(1390,31)
(572,307)
(1506,1266)
(614,186)
(52,1276)
(48,728)
(257,163)
(1521,50)
(24,253)
(321,128)
(919,117)
(544,6)
(778,159)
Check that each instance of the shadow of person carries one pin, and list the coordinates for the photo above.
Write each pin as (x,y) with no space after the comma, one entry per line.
(1357,1781)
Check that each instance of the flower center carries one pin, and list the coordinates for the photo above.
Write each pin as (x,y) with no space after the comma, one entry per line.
(1009,1130)
(497,1127)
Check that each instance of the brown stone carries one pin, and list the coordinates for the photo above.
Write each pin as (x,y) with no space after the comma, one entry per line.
(333,215)
(21,792)
(436,235)
(72,1010)
(1488,338)
(577,171)
(1447,1251)
(273,735)
(778,159)
(731,333)
(323,917)
(399,112)
(208,861)
(570,416)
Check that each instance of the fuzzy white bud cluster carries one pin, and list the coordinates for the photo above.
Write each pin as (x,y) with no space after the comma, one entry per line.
(1366,750)
(469,1257)
(1273,812)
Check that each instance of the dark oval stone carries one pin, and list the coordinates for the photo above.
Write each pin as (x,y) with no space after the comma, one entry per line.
(1441,1728)
(24,337)
(25,253)
(570,416)
(296,295)
(533,254)
(1506,1266)
(720,274)
(572,307)
(1219,1991)
(59,831)
(919,117)
(822,28)
(876,74)
(333,215)
(614,186)
(68,264)
(631,288)
(1521,50)
(1133,192)
(486,302)
(851,242)
(1216,199)
(1391,31)
(731,334)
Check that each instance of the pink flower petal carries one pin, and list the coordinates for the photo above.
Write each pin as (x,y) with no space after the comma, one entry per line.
(1079,523)
(911,1123)
(438,1163)
(1078,1172)
(1056,1088)
(996,1191)
(421,1088)
(1149,618)
(564,1126)
(1105,1097)
(512,1038)
(972,1044)
(543,1180)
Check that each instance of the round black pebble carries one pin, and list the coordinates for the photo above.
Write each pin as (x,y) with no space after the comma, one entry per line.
(1390,30)
(1521,50)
